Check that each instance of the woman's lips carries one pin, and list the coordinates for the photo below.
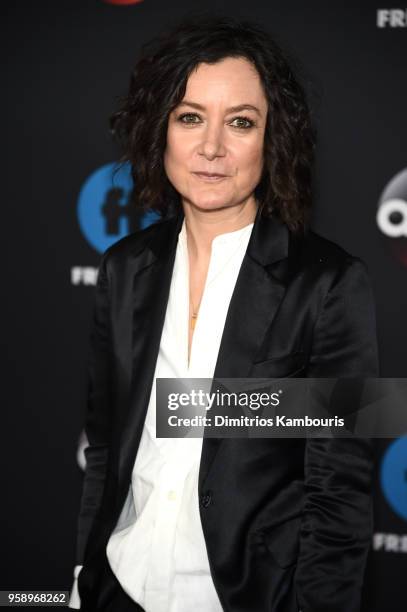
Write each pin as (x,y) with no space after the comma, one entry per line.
(211,177)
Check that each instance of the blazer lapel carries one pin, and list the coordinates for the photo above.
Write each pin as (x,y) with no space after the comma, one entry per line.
(259,289)
(150,292)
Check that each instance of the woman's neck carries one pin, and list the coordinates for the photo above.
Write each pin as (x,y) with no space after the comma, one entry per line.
(203,226)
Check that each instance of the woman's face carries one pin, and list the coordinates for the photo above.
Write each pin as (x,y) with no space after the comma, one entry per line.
(214,151)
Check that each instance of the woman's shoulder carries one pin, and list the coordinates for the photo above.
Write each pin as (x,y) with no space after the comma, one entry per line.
(319,258)
(313,248)
(133,244)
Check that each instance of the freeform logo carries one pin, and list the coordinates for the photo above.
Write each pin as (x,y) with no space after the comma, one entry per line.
(84,275)
(391,18)
(105,212)
(391,215)
(390,542)
(393,476)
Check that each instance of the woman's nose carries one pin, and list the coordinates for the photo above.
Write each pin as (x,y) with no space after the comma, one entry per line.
(212,144)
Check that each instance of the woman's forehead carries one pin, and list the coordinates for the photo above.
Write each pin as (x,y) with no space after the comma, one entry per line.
(232,80)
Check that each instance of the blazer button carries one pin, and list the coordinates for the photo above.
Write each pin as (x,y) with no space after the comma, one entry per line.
(206,499)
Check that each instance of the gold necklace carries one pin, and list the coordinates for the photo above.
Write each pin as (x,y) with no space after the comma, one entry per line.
(195,311)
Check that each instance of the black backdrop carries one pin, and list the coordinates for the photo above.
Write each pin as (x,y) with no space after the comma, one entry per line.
(64,64)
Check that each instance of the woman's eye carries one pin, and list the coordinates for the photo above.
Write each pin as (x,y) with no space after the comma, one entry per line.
(189,118)
(242,122)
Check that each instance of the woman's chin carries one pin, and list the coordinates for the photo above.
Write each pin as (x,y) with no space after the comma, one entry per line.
(209,204)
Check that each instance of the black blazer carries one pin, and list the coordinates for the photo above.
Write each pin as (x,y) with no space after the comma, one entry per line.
(287,522)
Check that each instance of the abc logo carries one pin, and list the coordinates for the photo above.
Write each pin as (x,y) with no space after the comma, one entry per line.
(391,216)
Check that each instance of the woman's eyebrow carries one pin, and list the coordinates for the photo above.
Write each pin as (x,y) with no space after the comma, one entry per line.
(232,109)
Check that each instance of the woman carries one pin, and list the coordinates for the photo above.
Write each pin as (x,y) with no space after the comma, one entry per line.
(231,283)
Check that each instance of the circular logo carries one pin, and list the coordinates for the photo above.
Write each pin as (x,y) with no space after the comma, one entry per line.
(105,212)
(393,476)
(392,215)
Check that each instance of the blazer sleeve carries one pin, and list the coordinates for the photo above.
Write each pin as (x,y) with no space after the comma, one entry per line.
(98,412)
(337,515)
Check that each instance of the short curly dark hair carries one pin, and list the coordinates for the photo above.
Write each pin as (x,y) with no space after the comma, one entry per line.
(157,85)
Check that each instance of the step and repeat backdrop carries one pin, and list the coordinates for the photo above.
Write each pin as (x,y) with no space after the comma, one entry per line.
(65,64)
